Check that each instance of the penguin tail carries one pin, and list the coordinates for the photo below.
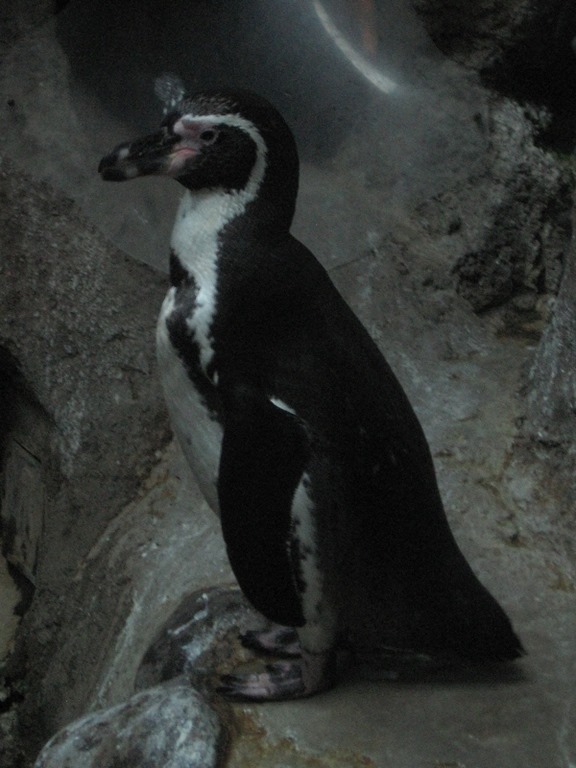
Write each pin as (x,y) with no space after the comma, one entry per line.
(478,630)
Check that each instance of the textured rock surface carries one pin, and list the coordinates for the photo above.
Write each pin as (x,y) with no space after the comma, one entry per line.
(552,402)
(200,640)
(76,323)
(162,546)
(481,32)
(76,335)
(526,218)
(172,727)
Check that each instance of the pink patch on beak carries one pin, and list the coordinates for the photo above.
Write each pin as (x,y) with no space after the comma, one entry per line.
(178,159)
(190,128)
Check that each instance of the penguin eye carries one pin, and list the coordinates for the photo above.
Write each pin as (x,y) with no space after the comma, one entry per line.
(209,136)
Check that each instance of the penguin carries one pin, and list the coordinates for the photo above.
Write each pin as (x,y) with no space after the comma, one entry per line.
(298,432)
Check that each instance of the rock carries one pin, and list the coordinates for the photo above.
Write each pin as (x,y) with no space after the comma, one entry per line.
(552,378)
(480,33)
(526,221)
(199,638)
(397,190)
(550,425)
(163,545)
(77,372)
(172,727)
(17,17)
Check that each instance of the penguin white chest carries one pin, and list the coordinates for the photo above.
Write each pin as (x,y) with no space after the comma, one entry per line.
(184,336)
(195,425)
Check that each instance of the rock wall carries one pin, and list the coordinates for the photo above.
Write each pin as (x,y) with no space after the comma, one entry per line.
(84,412)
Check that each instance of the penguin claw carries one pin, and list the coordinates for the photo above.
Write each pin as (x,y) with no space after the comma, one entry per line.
(279,681)
(278,641)
(282,680)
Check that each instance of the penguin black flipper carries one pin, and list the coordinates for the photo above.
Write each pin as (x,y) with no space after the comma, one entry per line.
(264,454)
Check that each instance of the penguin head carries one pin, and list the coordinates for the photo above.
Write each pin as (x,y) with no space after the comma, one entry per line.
(222,140)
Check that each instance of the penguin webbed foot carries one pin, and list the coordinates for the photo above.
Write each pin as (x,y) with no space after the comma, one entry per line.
(278,641)
(281,680)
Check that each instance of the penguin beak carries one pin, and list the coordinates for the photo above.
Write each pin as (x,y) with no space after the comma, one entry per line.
(159,153)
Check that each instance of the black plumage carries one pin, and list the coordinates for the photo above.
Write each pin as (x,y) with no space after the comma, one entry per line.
(326,488)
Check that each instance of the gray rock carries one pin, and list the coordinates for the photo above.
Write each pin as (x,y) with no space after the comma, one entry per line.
(172,727)
(199,638)
(77,372)
(552,397)
(526,224)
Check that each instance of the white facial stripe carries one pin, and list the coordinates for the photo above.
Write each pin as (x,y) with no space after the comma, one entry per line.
(200,218)
(235,121)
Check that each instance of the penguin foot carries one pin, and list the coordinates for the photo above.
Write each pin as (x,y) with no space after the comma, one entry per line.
(278,641)
(282,680)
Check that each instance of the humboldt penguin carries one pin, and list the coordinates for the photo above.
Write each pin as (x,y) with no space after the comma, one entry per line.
(297,430)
